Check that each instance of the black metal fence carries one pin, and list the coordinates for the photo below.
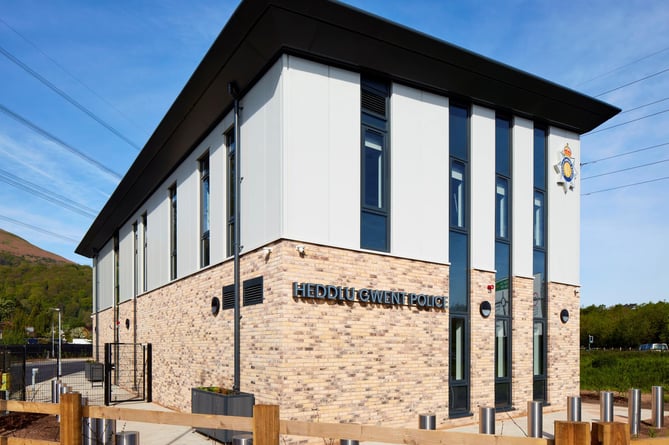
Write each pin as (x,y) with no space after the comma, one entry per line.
(29,370)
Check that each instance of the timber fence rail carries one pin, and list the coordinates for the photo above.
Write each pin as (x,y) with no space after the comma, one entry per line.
(267,427)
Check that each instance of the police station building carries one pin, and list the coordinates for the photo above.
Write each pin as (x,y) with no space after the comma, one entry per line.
(398,217)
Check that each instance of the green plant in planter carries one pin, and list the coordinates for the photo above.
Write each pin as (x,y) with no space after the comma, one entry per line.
(216,389)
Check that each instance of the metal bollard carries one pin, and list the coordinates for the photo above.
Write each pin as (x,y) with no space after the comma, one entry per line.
(657,407)
(427,422)
(486,420)
(105,431)
(606,406)
(89,431)
(348,442)
(132,438)
(55,391)
(634,411)
(574,409)
(240,439)
(535,419)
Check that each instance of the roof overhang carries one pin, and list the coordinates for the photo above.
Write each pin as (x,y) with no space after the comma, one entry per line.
(260,31)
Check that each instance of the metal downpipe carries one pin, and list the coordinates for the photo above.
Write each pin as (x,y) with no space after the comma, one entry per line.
(232,89)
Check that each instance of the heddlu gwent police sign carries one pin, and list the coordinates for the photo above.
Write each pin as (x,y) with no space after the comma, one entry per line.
(368,296)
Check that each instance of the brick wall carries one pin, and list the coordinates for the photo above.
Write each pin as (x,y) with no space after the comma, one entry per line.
(522,338)
(563,343)
(482,342)
(336,361)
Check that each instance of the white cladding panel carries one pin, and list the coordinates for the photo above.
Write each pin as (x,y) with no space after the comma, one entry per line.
(126,261)
(321,174)
(218,158)
(482,185)
(563,211)
(522,197)
(105,276)
(260,156)
(419,174)
(157,238)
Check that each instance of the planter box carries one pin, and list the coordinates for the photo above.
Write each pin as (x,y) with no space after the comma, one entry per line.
(94,372)
(208,402)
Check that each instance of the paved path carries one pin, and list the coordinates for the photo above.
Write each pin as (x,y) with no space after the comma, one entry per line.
(507,424)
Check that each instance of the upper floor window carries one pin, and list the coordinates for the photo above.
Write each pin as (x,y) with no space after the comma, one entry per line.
(539,187)
(539,158)
(503,176)
(374,215)
(231,188)
(458,195)
(173,231)
(145,245)
(539,219)
(458,142)
(204,210)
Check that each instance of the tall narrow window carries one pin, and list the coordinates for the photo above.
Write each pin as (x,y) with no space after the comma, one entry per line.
(145,244)
(173,231)
(231,186)
(204,210)
(117,285)
(502,263)
(374,214)
(539,267)
(135,258)
(459,258)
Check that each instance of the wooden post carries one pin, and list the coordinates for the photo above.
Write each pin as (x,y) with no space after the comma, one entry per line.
(572,433)
(266,425)
(610,433)
(71,414)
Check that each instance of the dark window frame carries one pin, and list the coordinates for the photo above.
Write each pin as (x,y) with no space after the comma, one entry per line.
(205,209)
(172,190)
(231,177)
(503,240)
(375,118)
(540,380)
(460,406)
(145,249)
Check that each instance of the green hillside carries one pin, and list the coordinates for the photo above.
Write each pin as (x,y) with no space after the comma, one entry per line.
(32,281)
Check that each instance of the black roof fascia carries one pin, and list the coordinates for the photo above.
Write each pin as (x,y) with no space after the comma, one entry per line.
(259,31)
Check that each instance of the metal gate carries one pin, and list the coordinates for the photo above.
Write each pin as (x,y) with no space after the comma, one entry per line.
(127,372)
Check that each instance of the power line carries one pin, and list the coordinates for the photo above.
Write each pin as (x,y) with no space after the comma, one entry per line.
(633,82)
(625,169)
(68,98)
(644,105)
(69,73)
(625,186)
(45,194)
(625,153)
(625,123)
(46,134)
(38,229)
(624,66)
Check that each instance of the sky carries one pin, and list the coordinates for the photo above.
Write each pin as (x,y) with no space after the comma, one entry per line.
(83,85)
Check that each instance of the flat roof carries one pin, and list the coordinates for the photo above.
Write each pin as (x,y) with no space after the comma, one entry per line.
(259,31)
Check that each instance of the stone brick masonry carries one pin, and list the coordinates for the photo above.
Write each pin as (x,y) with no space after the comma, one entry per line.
(334,361)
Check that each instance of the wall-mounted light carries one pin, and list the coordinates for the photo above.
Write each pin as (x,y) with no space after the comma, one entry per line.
(127,323)
(564,315)
(300,249)
(490,287)
(267,251)
(215,306)
(485,309)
